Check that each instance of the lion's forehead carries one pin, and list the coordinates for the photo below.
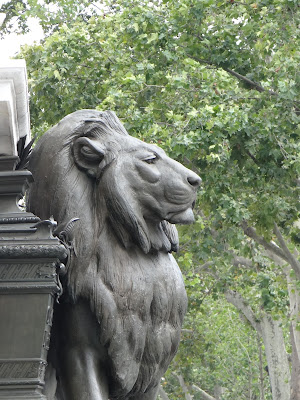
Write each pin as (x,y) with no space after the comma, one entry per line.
(134,145)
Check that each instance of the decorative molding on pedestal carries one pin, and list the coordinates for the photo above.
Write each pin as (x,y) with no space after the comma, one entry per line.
(29,284)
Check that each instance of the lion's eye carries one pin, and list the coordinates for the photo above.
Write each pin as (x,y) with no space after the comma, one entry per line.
(151,159)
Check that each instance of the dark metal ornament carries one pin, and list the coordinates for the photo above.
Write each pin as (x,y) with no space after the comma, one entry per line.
(29,255)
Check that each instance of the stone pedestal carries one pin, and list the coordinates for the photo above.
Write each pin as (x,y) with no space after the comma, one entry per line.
(29,257)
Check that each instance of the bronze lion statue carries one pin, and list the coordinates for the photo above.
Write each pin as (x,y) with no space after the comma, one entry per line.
(118,324)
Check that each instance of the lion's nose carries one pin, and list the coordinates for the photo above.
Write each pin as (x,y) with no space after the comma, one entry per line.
(194,180)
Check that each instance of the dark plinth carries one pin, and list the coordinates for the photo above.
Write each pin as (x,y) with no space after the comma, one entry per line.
(29,285)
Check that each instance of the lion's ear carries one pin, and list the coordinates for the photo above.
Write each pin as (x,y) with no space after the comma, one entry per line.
(88,154)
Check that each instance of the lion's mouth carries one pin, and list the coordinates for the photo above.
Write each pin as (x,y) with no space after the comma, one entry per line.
(185,216)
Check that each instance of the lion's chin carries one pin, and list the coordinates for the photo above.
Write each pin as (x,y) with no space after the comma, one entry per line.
(183,217)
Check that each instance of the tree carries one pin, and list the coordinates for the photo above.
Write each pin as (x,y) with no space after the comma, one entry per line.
(51,14)
(217,85)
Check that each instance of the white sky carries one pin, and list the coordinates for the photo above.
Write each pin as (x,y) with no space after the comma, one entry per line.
(11,44)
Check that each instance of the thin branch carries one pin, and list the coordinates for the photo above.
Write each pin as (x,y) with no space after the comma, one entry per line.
(95,5)
(255,85)
(242,346)
(261,372)
(187,331)
(251,232)
(201,60)
(277,260)
(251,156)
(289,256)
(205,395)
(191,165)
(242,261)
(240,303)
(162,393)
(243,78)
(183,386)
(154,86)
(204,267)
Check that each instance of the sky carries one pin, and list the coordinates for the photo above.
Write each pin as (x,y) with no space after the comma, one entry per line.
(11,44)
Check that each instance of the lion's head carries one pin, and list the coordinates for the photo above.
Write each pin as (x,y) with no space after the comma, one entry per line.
(89,155)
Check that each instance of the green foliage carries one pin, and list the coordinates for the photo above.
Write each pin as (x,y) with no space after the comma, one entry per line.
(217,349)
(163,68)
(216,84)
(51,14)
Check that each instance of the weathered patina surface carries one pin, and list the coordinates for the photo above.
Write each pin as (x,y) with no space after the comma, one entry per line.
(118,325)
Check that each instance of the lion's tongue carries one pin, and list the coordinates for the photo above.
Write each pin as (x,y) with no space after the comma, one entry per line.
(184,217)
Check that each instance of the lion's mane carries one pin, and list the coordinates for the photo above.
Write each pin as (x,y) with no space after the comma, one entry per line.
(132,283)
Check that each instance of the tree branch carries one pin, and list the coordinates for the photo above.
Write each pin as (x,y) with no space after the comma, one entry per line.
(183,386)
(251,232)
(292,260)
(251,156)
(191,164)
(242,261)
(203,267)
(187,331)
(240,303)
(255,85)
(277,260)
(205,395)
(162,393)
(243,78)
